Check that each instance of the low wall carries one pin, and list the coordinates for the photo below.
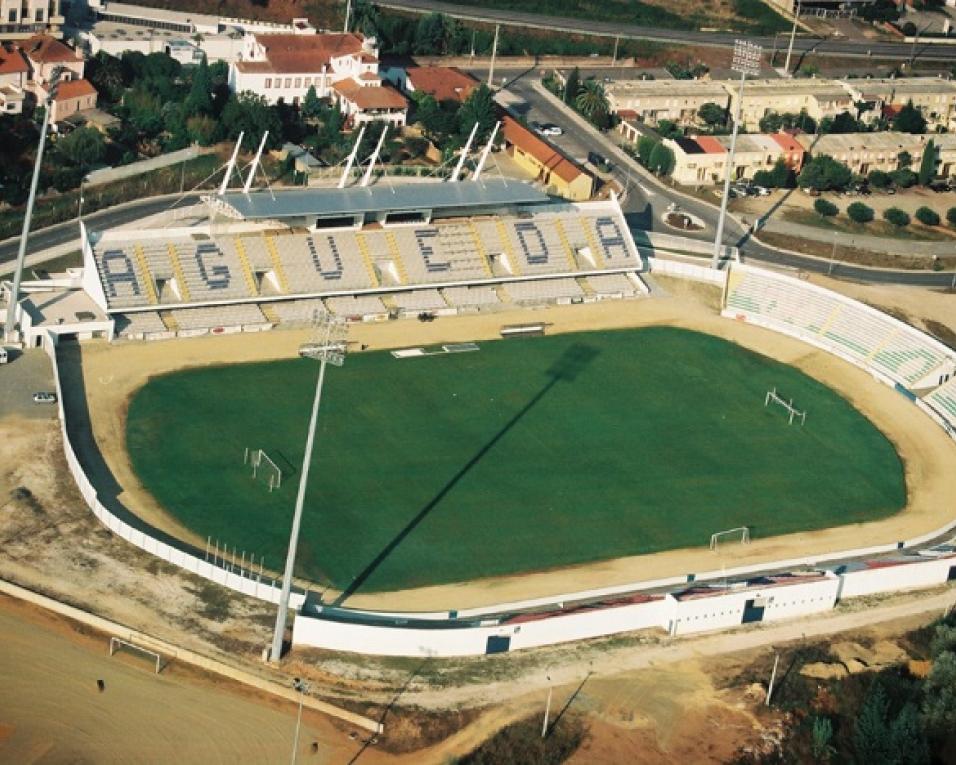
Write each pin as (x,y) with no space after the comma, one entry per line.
(688,271)
(246,583)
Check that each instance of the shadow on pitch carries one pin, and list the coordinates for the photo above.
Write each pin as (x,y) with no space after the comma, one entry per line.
(570,364)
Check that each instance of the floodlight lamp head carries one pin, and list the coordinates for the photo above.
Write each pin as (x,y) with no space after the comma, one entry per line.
(746,58)
(55,76)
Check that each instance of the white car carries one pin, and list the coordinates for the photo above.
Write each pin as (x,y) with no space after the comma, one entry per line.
(549,128)
(42,397)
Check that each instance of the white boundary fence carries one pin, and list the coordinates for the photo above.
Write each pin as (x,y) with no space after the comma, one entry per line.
(247,585)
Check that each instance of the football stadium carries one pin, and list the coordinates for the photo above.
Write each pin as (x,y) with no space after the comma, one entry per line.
(546,427)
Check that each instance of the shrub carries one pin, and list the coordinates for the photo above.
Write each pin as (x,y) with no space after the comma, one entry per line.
(903,178)
(826,208)
(859,212)
(951,216)
(879,179)
(927,217)
(896,217)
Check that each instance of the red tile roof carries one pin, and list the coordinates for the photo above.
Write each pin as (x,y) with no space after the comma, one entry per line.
(444,83)
(44,49)
(787,142)
(381,97)
(518,135)
(306,54)
(74,89)
(710,145)
(12,62)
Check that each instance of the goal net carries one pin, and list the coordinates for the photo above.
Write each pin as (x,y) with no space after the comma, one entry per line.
(263,467)
(741,533)
(118,644)
(795,414)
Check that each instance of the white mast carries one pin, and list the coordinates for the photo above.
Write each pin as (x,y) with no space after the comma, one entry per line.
(351,159)
(374,158)
(231,166)
(464,154)
(255,164)
(485,152)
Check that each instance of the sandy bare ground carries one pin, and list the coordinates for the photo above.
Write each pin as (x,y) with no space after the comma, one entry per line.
(113,373)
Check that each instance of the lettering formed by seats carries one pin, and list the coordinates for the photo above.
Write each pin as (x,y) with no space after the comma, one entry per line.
(336,273)
(114,278)
(610,236)
(533,255)
(217,277)
(422,235)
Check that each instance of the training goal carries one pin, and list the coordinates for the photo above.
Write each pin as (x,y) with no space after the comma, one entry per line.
(741,532)
(117,644)
(795,414)
(263,467)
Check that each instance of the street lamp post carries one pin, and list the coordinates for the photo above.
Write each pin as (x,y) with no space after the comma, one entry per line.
(301,687)
(329,348)
(746,61)
(547,709)
(11,325)
(793,34)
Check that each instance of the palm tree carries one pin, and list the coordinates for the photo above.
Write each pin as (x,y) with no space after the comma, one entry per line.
(592,101)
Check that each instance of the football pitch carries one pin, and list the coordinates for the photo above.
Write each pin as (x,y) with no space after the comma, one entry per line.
(527,454)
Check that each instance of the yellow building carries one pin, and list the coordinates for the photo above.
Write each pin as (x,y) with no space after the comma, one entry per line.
(548,166)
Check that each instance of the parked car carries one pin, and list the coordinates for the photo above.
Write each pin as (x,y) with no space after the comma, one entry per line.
(549,128)
(810,191)
(940,187)
(599,161)
(760,191)
(42,397)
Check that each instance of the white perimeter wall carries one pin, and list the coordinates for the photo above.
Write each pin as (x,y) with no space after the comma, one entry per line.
(247,585)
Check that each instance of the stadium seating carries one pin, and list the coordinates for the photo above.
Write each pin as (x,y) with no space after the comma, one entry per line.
(471,296)
(420,300)
(544,290)
(208,317)
(612,285)
(140,323)
(295,311)
(349,305)
(900,352)
(943,401)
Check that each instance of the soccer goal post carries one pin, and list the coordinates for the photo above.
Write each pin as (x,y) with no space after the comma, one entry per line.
(743,532)
(117,643)
(263,466)
(772,397)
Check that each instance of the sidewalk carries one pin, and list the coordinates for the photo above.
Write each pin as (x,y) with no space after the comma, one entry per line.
(861,241)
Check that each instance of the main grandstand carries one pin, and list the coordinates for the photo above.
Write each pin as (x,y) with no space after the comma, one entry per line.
(265,258)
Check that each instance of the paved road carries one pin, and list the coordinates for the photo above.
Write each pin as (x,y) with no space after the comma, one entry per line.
(886,50)
(648,198)
(115,216)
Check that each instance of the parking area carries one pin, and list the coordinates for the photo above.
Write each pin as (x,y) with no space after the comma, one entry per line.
(26,373)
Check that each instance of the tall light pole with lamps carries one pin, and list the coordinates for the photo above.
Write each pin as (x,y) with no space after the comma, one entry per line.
(11,328)
(329,348)
(793,34)
(746,61)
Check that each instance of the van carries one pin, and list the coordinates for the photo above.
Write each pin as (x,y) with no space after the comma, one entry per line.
(3,355)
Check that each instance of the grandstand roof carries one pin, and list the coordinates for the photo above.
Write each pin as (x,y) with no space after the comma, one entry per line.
(382,197)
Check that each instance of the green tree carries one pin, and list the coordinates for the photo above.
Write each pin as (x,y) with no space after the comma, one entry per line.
(927,165)
(311,105)
(904,178)
(592,102)
(842,123)
(951,216)
(251,114)
(896,217)
(105,72)
(645,146)
(824,173)
(825,208)
(821,735)
(909,119)
(661,160)
(479,108)
(429,37)
(780,177)
(878,179)
(904,160)
(927,216)
(713,115)
(84,147)
(199,100)
(859,212)
(365,18)
(944,637)
(939,693)
(202,129)
(572,87)
(871,734)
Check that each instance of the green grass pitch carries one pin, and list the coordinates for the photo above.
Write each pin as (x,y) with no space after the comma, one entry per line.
(525,455)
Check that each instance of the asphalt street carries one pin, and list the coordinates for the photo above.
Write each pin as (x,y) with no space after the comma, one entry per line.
(922,51)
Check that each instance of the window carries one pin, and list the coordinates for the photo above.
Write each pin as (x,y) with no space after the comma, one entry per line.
(288,82)
(38,15)
(268,82)
(12,16)
(298,82)
(308,82)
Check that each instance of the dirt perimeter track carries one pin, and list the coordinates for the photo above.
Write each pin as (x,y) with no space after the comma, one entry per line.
(113,373)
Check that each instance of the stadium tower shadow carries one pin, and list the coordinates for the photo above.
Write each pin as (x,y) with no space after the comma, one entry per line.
(568,366)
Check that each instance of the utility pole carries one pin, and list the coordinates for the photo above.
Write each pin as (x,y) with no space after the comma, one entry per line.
(11,325)
(494,52)
(547,709)
(348,15)
(746,61)
(793,34)
(617,40)
(773,676)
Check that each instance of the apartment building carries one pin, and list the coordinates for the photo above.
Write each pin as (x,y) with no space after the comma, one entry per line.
(933,96)
(44,54)
(865,152)
(651,101)
(702,161)
(818,98)
(21,18)
(14,75)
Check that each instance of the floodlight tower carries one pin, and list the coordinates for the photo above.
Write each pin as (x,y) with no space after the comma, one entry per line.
(11,325)
(746,61)
(793,34)
(329,348)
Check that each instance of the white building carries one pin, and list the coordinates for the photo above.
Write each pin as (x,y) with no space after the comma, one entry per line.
(14,73)
(20,18)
